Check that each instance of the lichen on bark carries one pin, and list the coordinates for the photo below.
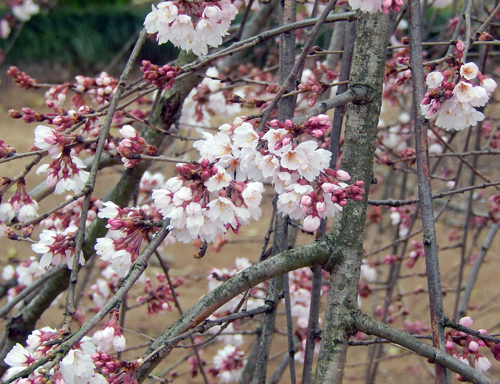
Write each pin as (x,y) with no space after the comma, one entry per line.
(348,230)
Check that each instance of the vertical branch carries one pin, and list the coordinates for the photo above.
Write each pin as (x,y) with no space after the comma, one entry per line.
(345,70)
(475,269)
(293,74)
(313,324)
(424,188)
(280,239)
(368,64)
(338,118)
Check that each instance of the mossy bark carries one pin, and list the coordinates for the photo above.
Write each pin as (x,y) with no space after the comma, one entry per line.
(348,230)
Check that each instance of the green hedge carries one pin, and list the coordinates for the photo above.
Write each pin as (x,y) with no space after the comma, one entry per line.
(84,39)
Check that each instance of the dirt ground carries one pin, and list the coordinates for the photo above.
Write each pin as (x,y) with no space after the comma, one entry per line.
(396,366)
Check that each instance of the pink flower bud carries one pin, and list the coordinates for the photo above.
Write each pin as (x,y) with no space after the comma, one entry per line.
(473,346)
(466,321)
(343,175)
(306,200)
(311,223)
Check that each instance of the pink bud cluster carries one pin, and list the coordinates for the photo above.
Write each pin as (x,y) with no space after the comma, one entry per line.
(316,87)
(20,204)
(394,4)
(127,375)
(402,216)
(100,89)
(133,145)
(58,93)
(22,78)
(495,208)
(470,347)
(62,119)
(161,77)
(106,363)
(191,25)
(159,298)
(454,103)
(315,126)
(6,150)
(128,230)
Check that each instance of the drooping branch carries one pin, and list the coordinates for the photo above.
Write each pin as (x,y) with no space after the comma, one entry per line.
(308,255)
(373,327)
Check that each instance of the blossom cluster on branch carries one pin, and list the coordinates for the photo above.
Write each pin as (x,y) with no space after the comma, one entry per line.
(454,103)
(191,25)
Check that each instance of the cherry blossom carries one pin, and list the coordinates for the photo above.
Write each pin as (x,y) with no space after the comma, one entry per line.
(20,204)
(110,336)
(228,364)
(454,104)
(191,26)
(65,173)
(25,9)
(127,230)
(57,248)
(76,367)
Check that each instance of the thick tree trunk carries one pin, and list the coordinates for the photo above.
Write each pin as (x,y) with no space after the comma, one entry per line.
(347,233)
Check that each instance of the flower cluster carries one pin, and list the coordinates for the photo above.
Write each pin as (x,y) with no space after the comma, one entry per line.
(103,289)
(52,141)
(57,248)
(110,335)
(100,89)
(65,173)
(76,367)
(454,103)
(128,229)
(133,145)
(209,197)
(20,204)
(191,25)
(159,298)
(228,364)
(470,346)
(161,77)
